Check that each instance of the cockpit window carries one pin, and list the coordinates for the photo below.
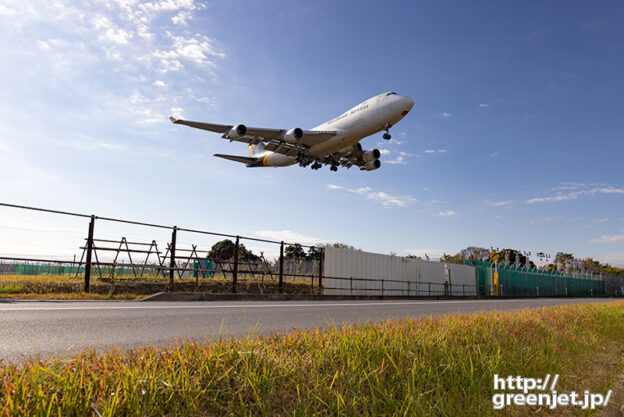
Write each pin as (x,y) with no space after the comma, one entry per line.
(389,94)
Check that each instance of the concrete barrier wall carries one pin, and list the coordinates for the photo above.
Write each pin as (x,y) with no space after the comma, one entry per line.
(351,272)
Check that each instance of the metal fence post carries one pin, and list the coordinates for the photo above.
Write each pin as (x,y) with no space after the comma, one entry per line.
(174,234)
(321,263)
(87,276)
(281,271)
(235,269)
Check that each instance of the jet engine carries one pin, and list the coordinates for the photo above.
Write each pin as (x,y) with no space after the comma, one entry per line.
(293,135)
(371,155)
(351,151)
(237,132)
(372,165)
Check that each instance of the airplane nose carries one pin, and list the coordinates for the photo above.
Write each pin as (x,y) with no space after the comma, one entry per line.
(409,103)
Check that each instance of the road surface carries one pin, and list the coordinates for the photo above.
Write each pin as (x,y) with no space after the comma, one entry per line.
(62,328)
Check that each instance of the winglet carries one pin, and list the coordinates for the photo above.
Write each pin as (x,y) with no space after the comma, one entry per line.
(173,119)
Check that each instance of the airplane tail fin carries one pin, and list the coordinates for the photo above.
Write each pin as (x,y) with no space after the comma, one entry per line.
(247,160)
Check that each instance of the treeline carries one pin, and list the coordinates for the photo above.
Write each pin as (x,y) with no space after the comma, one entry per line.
(562,261)
(225,250)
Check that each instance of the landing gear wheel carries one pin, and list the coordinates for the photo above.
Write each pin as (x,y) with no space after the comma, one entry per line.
(387,136)
(333,168)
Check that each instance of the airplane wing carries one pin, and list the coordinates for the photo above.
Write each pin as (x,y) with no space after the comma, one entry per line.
(273,138)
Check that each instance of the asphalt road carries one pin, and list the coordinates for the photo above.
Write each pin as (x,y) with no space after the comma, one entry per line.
(61,328)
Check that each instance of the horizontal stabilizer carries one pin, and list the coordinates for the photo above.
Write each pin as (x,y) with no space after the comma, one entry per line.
(242,159)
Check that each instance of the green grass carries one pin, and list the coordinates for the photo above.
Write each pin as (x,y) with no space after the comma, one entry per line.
(71,287)
(425,367)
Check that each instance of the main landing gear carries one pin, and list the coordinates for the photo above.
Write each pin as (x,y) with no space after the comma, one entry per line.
(316,165)
(387,135)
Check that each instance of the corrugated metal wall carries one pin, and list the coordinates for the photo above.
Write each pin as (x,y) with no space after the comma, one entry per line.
(462,279)
(351,272)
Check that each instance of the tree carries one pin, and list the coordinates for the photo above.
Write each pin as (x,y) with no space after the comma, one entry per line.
(338,245)
(567,262)
(561,258)
(452,259)
(475,253)
(225,250)
(314,253)
(294,252)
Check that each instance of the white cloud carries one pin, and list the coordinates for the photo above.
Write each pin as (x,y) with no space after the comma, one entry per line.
(177,112)
(483,105)
(610,190)
(208,100)
(290,237)
(385,199)
(159,83)
(5,11)
(181,18)
(44,45)
(493,155)
(501,203)
(384,151)
(607,239)
(399,160)
(616,259)
(573,195)
(119,36)
(445,115)
(430,151)
(446,213)
(385,143)
(167,5)
(196,49)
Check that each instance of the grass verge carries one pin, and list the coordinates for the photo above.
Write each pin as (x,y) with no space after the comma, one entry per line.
(421,367)
(126,287)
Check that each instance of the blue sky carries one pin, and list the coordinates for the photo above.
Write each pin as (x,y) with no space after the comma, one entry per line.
(515,140)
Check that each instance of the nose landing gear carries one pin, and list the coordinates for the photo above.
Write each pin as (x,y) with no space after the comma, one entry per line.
(387,135)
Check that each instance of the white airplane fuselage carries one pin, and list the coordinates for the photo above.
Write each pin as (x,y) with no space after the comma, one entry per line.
(369,117)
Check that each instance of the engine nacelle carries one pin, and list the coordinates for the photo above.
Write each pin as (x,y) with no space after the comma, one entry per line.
(237,132)
(372,155)
(351,150)
(372,165)
(293,135)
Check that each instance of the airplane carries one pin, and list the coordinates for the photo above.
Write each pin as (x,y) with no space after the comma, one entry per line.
(334,143)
